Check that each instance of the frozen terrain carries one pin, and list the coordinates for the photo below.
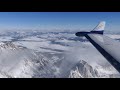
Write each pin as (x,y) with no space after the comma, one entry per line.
(40,54)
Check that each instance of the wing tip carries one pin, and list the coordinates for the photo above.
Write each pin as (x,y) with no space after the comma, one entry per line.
(100,26)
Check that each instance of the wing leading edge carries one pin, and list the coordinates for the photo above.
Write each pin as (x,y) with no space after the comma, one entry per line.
(108,47)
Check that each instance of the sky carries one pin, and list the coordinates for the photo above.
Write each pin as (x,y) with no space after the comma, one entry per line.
(58,20)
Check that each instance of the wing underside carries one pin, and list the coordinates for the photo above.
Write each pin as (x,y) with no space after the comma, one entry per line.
(108,47)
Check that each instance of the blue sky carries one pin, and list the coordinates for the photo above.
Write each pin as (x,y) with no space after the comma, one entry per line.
(58,20)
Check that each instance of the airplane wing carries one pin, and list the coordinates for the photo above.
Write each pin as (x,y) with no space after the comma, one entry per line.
(108,47)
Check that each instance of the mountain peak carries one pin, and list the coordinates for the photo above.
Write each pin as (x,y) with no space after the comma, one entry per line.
(83,69)
(9,45)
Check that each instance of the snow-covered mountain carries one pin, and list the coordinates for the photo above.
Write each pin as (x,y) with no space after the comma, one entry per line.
(83,69)
(36,54)
(17,61)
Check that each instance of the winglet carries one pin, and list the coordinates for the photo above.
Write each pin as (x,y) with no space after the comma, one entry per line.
(100,26)
(99,29)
